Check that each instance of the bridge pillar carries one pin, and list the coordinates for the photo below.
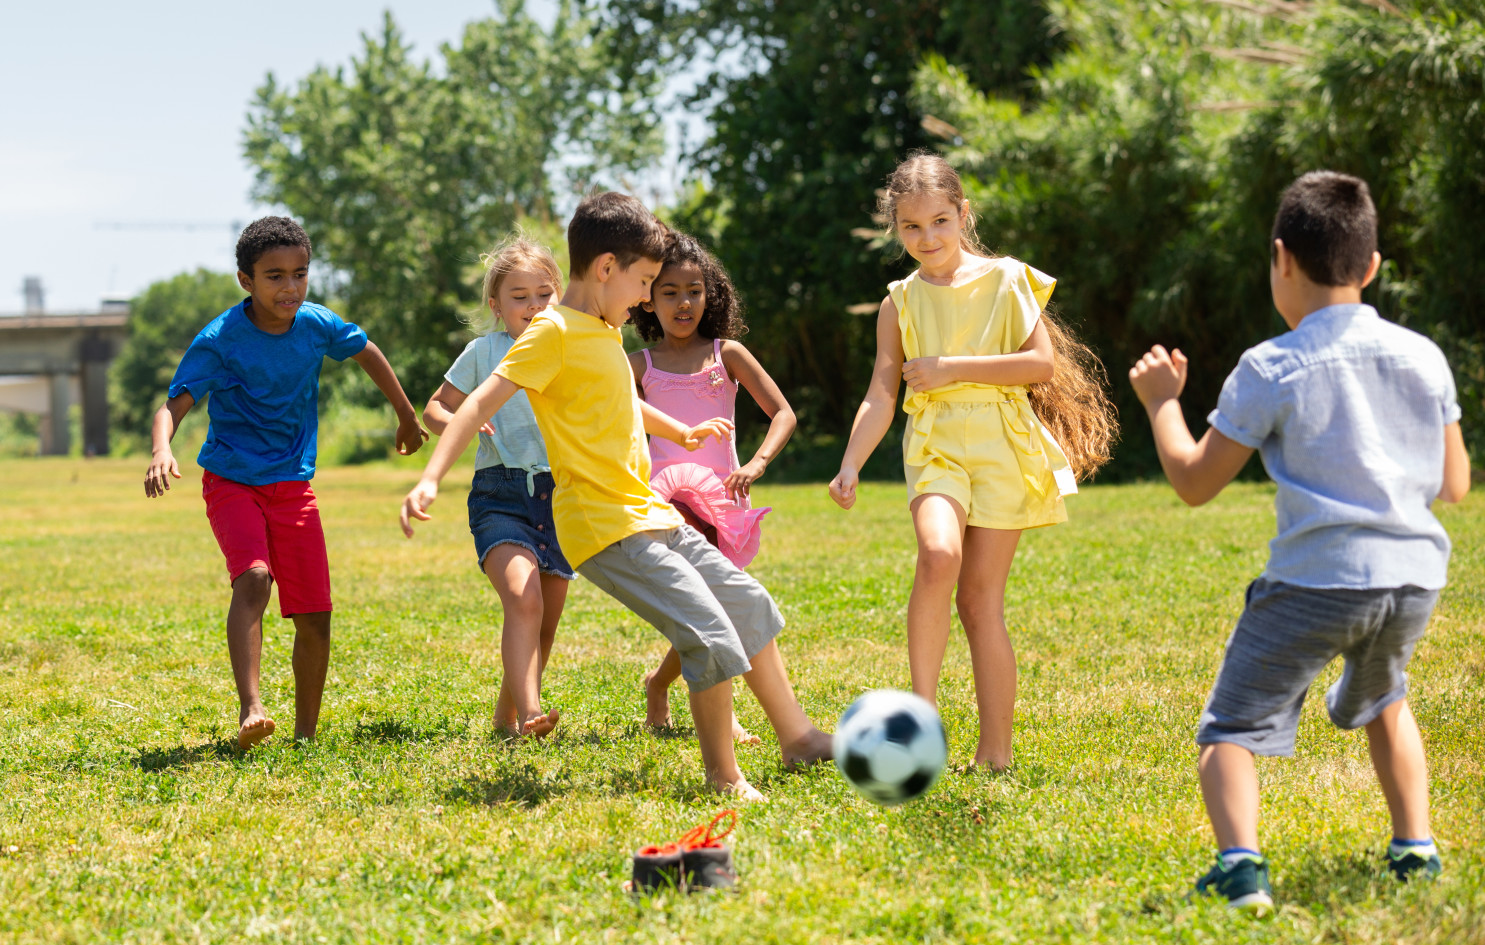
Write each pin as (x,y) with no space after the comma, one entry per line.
(56,438)
(95,352)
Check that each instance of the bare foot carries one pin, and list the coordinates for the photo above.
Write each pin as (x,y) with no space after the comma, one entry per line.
(812,748)
(510,723)
(540,726)
(255,727)
(986,766)
(739,790)
(742,736)
(657,703)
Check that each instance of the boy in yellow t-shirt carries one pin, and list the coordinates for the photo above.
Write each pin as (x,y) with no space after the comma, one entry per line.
(613,529)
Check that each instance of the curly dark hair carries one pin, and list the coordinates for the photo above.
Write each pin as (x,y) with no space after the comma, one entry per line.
(265,234)
(722,317)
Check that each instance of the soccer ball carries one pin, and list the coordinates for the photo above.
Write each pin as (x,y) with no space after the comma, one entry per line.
(890,746)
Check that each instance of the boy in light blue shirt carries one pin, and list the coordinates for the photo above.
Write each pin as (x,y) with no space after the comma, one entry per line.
(1357,421)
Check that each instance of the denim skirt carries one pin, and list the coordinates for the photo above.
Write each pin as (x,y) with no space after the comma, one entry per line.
(503,512)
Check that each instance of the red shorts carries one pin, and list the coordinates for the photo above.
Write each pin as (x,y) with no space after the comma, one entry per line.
(276,527)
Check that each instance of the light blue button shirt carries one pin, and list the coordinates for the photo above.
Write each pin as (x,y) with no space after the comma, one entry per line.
(1348,412)
(517,442)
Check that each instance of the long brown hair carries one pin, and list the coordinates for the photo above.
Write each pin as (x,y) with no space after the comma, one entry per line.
(1074,404)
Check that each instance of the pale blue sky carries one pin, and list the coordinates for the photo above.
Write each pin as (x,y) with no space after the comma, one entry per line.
(117,112)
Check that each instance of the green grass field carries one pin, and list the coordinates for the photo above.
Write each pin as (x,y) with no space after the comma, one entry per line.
(126,815)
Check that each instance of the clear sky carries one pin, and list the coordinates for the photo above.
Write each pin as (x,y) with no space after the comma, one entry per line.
(133,113)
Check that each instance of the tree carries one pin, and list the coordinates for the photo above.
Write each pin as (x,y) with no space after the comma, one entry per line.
(402,172)
(1146,171)
(162,322)
(809,109)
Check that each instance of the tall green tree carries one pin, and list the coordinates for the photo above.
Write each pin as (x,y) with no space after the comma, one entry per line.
(403,171)
(1146,170)
(162,322)
(809,111)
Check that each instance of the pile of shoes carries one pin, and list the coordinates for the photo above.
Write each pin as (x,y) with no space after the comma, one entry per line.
(698,860)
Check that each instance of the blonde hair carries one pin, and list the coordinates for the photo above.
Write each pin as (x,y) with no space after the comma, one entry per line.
(1074,405)
(515,253)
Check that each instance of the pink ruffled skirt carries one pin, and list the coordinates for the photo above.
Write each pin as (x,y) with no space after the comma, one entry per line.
(700,490)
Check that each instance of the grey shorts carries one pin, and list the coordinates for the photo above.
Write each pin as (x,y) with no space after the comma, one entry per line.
(715,614)
(1286,636)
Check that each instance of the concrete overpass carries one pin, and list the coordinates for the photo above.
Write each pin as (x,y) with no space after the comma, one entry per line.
(47,361)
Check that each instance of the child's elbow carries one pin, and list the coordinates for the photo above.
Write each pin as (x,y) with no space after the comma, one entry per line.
(1192,492)
(1192,497)
(1455,491)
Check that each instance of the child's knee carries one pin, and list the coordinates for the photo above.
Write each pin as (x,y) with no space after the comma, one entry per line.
(253,585)
(524,605)
(939,562)
(977,605)
(315,625)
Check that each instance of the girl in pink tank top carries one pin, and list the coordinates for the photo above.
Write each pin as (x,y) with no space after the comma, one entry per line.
(692,373)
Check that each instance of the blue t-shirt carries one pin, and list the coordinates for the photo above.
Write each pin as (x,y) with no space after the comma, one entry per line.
(517,443)
(264,391)
(1348,412)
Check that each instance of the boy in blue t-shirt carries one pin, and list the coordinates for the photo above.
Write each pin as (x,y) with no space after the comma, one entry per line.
(1357,422)
(260,363)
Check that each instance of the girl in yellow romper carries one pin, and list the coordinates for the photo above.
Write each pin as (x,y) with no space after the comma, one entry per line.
(968,334)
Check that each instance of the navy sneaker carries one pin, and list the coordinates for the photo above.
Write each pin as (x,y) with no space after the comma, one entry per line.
(1244,884)
(1410,864)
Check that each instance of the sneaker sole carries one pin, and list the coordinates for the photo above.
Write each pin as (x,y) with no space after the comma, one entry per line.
(1253,900)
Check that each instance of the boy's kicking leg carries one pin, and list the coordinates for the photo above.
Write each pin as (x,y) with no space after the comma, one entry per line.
(311,661)
(799,740)
(245,648)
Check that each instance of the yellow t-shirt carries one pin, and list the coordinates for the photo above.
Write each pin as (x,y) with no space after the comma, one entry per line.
(578,380)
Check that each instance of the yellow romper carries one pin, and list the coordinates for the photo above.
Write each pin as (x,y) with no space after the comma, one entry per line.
(980,444)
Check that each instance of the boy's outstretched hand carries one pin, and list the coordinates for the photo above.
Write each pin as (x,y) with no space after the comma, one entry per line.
(162,466)
(719,427)
(410,435)
(415,506)
(1159,376)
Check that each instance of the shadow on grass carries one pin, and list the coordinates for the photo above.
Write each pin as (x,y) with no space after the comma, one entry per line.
(388,729)
(523,787)
(1345,877)
(182,756)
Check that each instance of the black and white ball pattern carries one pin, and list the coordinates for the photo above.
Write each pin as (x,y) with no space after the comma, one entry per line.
(890,746)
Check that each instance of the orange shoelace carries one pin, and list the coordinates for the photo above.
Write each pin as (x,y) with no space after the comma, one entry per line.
(703,835)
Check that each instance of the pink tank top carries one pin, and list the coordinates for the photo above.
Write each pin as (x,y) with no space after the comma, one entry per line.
(692,399)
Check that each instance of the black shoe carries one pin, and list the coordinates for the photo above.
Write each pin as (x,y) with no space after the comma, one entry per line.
(1410,864)
(1244,884)
(657,868)
(708,868)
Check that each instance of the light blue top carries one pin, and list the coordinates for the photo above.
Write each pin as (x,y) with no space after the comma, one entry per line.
(264,389)
(517,442)
(1348,412)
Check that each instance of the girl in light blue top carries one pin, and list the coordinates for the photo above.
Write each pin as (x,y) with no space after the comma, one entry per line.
(510,501)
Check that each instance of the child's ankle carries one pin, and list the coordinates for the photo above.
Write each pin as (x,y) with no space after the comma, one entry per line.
(1232,856)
